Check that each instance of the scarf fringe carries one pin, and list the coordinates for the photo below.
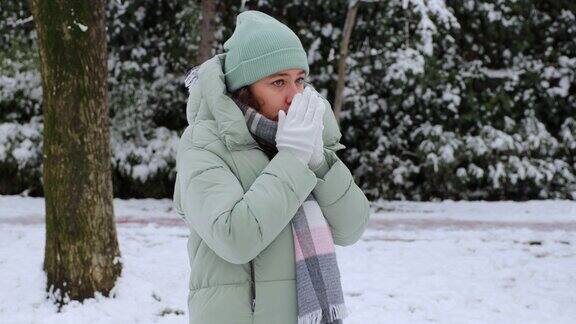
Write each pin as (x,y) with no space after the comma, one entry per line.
(336,312)
(311,318)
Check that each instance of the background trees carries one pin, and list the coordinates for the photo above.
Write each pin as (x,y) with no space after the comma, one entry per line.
(454,99)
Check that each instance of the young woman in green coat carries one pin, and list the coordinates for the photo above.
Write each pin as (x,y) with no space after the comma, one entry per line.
(261,187)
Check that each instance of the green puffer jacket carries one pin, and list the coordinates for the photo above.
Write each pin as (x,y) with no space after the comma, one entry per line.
(238,205)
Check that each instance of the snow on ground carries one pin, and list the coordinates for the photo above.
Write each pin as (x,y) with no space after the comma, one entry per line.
(444,262)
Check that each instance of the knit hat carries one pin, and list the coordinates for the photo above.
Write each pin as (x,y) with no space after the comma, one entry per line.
(260,46)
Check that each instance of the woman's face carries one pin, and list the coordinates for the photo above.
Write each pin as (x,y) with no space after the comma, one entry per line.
(275,92)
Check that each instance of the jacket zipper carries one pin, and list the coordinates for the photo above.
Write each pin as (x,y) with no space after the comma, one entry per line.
(253,286)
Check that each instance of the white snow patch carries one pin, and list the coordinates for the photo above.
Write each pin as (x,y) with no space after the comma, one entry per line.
(396,274)
(82,27)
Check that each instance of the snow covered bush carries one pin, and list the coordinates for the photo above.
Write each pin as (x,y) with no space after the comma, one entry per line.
(20,156)
(463,99)
(444,99)
(151,44)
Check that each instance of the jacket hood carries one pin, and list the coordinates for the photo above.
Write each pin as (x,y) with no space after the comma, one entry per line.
(210,99)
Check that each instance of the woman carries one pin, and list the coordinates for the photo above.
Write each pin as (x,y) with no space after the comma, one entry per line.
(260,186)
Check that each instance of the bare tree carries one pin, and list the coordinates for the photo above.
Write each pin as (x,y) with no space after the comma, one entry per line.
(344,44)
(207,31)
(81,254)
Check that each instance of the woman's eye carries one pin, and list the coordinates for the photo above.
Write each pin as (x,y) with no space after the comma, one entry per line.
(280,83)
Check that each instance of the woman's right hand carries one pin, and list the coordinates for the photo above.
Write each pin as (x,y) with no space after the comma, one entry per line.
(298,130)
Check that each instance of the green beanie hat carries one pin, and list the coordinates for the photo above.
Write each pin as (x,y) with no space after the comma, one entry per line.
(260,46)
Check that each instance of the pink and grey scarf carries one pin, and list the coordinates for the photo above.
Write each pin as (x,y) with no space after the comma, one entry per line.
(320,298)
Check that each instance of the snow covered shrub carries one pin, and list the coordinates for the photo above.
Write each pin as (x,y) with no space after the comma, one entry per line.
(151,44)
(463,99)
(20,83)
(20,156)
(444,99)
(20,98)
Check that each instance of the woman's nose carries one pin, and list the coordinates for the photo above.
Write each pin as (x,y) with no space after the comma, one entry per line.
(291,92)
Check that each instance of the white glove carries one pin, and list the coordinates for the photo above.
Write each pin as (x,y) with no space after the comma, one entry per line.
(318,153)
(297,131)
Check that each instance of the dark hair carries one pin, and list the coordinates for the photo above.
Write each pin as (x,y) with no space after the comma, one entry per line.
(245,96)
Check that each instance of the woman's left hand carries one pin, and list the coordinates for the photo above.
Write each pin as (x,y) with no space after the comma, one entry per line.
(318,154)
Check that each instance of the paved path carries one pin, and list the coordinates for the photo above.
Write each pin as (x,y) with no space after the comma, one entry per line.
(378,223)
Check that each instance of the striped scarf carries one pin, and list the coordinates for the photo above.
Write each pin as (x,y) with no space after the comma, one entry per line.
(320,298)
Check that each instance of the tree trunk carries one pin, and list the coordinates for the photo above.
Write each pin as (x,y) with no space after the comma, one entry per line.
(81,254)
(348,26)
(207,31)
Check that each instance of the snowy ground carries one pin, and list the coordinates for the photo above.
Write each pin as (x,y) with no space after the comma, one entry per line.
(448,262)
